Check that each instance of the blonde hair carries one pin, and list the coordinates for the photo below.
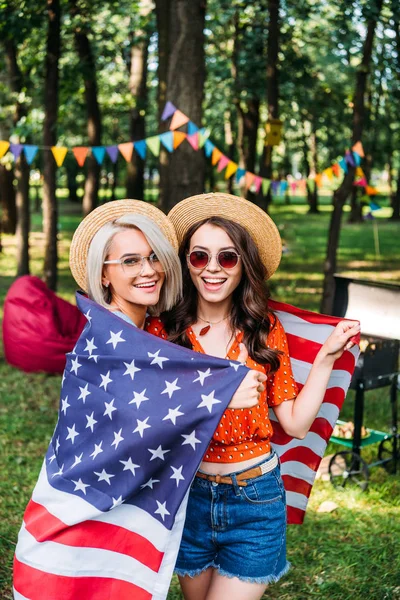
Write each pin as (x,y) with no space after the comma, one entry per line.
(100,246)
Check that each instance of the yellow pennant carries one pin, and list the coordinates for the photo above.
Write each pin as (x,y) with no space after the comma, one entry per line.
(59,153)
(4,146)
(231,169)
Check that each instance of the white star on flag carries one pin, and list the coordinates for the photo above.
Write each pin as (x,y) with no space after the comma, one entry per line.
(79,485)
(131,369)
(191,439)
(60,472)
(72,433)
(52,458)
(117,501)
(104,476)
(236,365)
(90,346)
(105,380)
(173,414)
(91,422)
(208,401)
(78,459)
(177,475)
(202,376)
(141,426)
(138,398)
(109,409)
(150,483)
(87,315)
(115,338)
(97,450)
(94,357)
(117,438)
(65,405)
(161,510)
(171,387)
(75,366)
(158,453)
(84,392)
(157,360)
(129,466)
(57,443)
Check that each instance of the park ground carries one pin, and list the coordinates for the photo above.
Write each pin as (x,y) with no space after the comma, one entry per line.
(351,553)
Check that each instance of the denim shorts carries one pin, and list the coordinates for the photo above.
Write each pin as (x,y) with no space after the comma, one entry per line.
(240,531)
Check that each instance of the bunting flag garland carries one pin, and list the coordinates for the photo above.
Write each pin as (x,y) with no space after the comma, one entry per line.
(361,182)
(178,120)
(239,174)
(179,137)
(370,190)
(208,148)
(141,148)
(99,153)
(192,128)
(266,183)
(216,155)
(336,169)
(113,152)
(126,150)
(222,163)
(204,134)
(193,140)
(169,110)
(16,149)
(4,146)
(357,159)
(231,169)
(59,153)
(349,158)
(167,140)
(248,179)
(343,165)
(30,152)
(80,153)
(153,143)
(358,149)
(257,183)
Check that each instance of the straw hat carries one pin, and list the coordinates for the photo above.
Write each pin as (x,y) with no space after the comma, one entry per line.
(107,213)
(258,224)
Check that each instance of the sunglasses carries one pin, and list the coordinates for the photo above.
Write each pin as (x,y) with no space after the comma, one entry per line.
(226,259)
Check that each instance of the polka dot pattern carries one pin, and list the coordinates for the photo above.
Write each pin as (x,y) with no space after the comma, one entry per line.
(246,432)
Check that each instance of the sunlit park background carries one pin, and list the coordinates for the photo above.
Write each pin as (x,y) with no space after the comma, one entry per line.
(292,104)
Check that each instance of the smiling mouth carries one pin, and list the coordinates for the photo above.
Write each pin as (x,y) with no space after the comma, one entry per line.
(149,284)
(214,281)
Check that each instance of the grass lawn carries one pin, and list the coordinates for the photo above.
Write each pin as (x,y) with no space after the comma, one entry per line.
(349,554)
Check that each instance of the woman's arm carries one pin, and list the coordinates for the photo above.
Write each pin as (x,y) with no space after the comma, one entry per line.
(296,416)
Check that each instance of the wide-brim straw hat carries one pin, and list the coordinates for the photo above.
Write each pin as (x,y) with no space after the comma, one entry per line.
(107,213)
(258,224)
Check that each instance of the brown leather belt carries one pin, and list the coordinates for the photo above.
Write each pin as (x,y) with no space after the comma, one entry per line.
(249,474)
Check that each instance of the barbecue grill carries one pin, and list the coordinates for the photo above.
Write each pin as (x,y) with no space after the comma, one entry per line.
(377,306)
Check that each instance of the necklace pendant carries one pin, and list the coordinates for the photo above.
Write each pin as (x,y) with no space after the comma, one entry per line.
(205,330)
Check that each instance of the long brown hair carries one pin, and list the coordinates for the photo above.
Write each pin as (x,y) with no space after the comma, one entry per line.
(250,313)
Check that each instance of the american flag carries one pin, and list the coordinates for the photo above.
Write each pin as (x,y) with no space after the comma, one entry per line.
(136,415)
(306,332)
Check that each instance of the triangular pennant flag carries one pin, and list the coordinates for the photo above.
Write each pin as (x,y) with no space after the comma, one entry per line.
(374,206)
(204,134)
(358,148)
(370,190)
(265,186)
(80,153)
(361,182)
(59,153)
(222,163)
(216,155)
(16,149)
(179,136)
(343,165)
(4,146)
(357,159)
(336,169)
(30,152)
(168,111)
(311,184)
(126,150)
(231,169)
(329,173)
(239,174)
(208,148)
(99,153)
(284,186)
(257,183)
(178,120)
(113,152)
(248,179)
(359,172)
(167,140)
(302,183)
(192,128)
(349,158)
(293,186)
(318,179)
(275,187)
(193,140)
(141,148)
(153,143)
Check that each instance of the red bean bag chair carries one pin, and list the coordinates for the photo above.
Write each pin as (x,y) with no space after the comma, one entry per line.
(39,328)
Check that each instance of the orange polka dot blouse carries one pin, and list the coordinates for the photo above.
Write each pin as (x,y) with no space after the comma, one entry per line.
(245,433)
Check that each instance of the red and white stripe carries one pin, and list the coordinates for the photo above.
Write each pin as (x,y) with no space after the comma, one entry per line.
(68,549)
(306,332)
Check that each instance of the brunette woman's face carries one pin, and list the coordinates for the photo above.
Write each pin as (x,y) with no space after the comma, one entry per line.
(142,288)
(213,283)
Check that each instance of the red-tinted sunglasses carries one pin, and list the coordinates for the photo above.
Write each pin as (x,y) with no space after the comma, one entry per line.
(200,259)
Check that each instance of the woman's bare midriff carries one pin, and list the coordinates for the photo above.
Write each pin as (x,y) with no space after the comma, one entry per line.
(212,468)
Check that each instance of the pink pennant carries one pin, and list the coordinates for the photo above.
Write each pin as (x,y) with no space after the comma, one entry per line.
(361,182)
(223,162)
(193,140)
(178,120)
(257,183)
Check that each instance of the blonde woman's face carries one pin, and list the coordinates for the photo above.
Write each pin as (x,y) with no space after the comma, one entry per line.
(140,285)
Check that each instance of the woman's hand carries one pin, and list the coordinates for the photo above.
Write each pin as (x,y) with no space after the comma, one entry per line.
(251,388)
(340,340)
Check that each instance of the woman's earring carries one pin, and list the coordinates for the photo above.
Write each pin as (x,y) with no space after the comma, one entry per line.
(106,285)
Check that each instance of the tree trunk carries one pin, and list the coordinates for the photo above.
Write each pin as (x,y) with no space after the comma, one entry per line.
(7,198)
(49,139)
(272,93)
(137,66)
(185,88)
(230,145)
(87,63)
(341,194)
(23,215)
(396,200)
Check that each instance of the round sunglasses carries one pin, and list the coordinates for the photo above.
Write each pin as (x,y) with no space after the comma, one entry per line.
(226,259)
